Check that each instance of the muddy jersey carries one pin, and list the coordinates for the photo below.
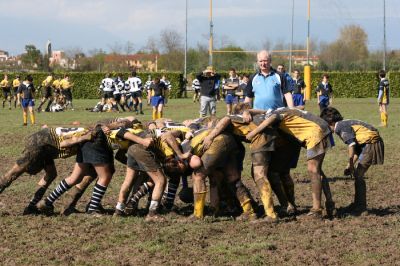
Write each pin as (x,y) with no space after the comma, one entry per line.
(195,145)
(307,128)
(263,141)
(60,134)
(355,132)
(116,141)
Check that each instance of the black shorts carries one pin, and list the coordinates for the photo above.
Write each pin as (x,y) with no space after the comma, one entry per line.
(95,152)
(15,91)
(141,159)
(108,95)
(136,94)
(285,156)
(117,97)
(46,92)
(67,94)
(6,92)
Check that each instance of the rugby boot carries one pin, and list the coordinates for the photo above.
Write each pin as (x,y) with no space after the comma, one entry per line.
(199,203)
(119,213)
(45,208)
(31,210)
(313,214)
(73,197)
(154,216)
(266,197)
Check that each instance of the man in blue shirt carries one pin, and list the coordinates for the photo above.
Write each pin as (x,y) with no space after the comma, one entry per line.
(267,87)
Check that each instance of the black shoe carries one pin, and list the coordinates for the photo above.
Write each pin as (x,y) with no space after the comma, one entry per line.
(141,112)
(31,210)
(24,124)
(69,211)
(42,207)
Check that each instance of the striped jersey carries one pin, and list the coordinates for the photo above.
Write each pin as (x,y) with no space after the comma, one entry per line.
(356,132)
(134,84)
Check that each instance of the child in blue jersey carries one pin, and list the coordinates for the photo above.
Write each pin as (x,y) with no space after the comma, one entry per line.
(324,93)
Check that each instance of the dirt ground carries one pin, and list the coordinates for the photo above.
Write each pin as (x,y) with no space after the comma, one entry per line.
(370,239)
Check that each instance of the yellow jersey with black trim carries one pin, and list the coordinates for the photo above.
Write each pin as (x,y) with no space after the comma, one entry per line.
(114,142)
(56,84)
(5,84)
(196,143)
(307,128)
(356,132)
(65,84)
(59,134)
(47,82)
(16,83)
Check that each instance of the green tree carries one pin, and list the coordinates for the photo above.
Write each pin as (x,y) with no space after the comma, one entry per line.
(32,57)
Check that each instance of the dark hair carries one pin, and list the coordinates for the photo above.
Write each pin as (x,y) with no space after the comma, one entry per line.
(232,69)
(296,70)
(29,78)
(331,115)
(246,76)
(157,80)
(133,73)
(325,76)
(382,73)
(282,65)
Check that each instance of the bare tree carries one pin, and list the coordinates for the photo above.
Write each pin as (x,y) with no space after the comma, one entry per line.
(171,40)
(129,47)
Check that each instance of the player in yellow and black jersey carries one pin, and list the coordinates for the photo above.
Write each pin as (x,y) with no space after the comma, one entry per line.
(314,134)
(46,93)
(40,151)
(15,84)
(365,146)
(6,88)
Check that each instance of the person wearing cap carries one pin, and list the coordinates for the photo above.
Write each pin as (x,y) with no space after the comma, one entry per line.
(209,83)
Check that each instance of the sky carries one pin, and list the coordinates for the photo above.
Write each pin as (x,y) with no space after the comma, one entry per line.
(95,24)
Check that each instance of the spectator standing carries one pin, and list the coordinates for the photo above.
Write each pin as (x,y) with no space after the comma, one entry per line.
(383,97)
(298,91)
(230,86)
(324,93)
(209,83)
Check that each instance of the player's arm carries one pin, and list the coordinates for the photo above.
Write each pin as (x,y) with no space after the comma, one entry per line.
(219,128)
(170,138)
(124,134)
(73,140)
(351,158)
(266,123)
(289,99)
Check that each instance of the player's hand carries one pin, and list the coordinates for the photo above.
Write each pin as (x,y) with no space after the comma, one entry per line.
(207,143)
(247,117)
(147,142)
(189,135)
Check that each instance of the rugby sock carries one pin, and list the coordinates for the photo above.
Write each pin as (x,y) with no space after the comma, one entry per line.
(383,118)
(98,193)
(385,123)
(266,196)
(243,196)
(169,195)
(153,206)
(37,196)
(160,114)
(154,116)
(140,107)
(120,206)
(199,203)
(142,191)
(25,118)
(32,115)
(57,192)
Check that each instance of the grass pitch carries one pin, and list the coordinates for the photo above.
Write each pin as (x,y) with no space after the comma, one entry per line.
(85,240)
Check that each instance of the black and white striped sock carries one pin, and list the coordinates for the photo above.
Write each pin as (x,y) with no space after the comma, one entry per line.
(142,191)
(169,194)
(57,192)
(98,193)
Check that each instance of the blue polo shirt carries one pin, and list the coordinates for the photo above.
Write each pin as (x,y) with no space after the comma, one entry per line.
(268,91)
